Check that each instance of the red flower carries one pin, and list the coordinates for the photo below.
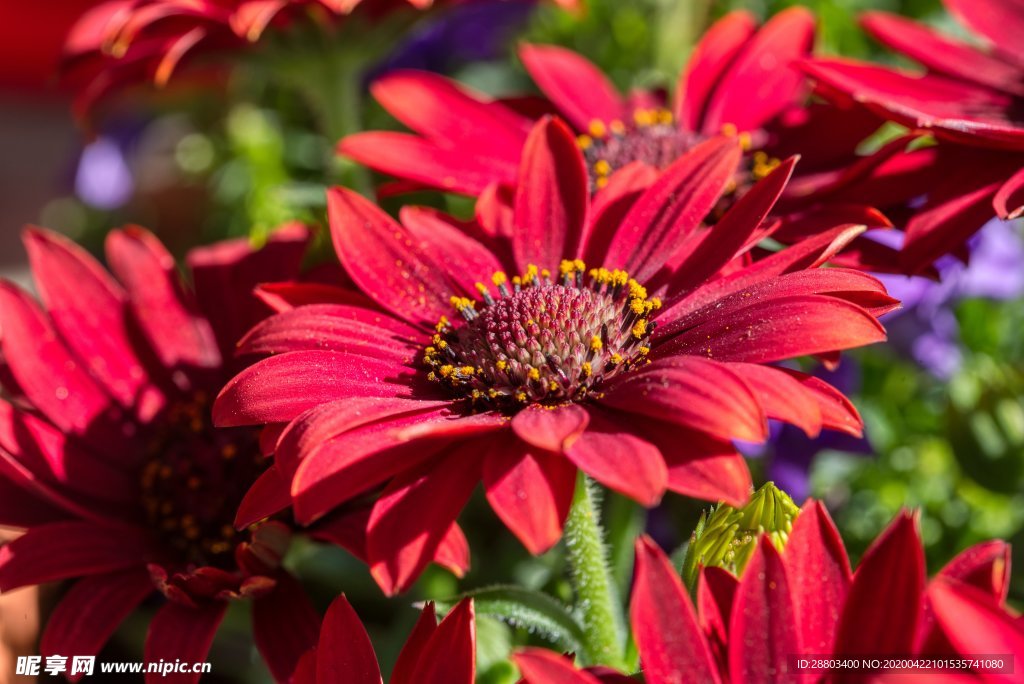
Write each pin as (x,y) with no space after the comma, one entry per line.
(805,600)
(549,371)
(124,42)
(108,458)
(968,95)
(434,653)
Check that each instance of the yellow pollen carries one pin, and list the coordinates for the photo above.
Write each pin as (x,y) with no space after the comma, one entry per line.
(447,370)
(655,303)
(467,370)
(521,397)
(545,273)
(745,140)
(229,451)
(533,374)
(595,343)
(643,351)
(601,182)
(617,127)
(602,167)
(499,278)
(442,323)
(729,129)
(480,287)
(597,128)
(665,117)
(640,328)
(636,305)
(643,117)
(615,359)
(553,386)
(580,266)
(586,369)
(531,273)
(584,141)
(501,365)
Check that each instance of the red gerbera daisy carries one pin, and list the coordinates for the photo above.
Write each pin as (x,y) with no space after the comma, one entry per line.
(638,372)
(108,458)
(969,95)
(434,653)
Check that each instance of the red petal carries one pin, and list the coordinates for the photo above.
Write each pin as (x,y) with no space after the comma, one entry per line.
(530,490)
(551,199)
(550,428)
(578,88)
(179,336)
(453,552)
(345,653)
(673,208)
(379,255)
(985,566)
(1009,200)
(411,157)
(91,610)
(610,454)
(611,205)
(973,624)
(405,665)
(1000,21)
(672,647)
(782,396)
(414,513)
(941,53)
(819,574)
(881,612)
(449,657)
(763,631)
(728,236)
(285,625)
(179,632)
(281,387)
(88,309)
(694,392)
(540,666)
(69,549)
(762,81)
(268,495)
(716,589)
(334,327)
(287,296)
(710,58)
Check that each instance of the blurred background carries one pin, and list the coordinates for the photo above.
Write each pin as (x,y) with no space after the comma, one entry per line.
(247,144)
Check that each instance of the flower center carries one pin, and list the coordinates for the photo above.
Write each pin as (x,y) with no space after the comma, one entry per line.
(654,139)
(542,341)
(194,481)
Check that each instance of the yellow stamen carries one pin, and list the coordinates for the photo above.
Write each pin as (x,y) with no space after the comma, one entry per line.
(597,128)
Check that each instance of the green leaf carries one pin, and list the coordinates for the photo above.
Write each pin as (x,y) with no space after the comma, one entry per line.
(522,608)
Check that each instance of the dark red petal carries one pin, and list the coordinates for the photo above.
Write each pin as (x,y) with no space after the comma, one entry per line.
(444,243)
(179,335)
(762,80)
(550,428)
(837,412)
(334,327)
(782,396)
(578,88)
(672,647)
(267,496)
(91,610)
(354,462)
(405,665)
(1000,21)
(88,308)
(881,611)
(673,208)
(284,625)
(69,549)
(449,657)
(709,60)
(413,515)
(608,452)
(694,392)
(610,206)
(1009,200)
(183,633)
(412,157)
(19,507)
(540,666)
(973,624)
(282,297)
(451,114)
(716,589)
(985,566)
(279,388)
(819,574)
(380,256)
(345,653)
(46,372)
(530,490)
(763,630)
(552,197)
(941,53)
(225,274)
(777,329)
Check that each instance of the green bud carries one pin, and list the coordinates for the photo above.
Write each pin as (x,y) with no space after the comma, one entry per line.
(726,537)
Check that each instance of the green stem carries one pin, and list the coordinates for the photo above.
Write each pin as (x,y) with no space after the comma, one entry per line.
(596,595)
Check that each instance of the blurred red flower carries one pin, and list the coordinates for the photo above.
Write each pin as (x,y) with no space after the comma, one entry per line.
(639,379)
(968,95)
(433,654)
(109,460)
